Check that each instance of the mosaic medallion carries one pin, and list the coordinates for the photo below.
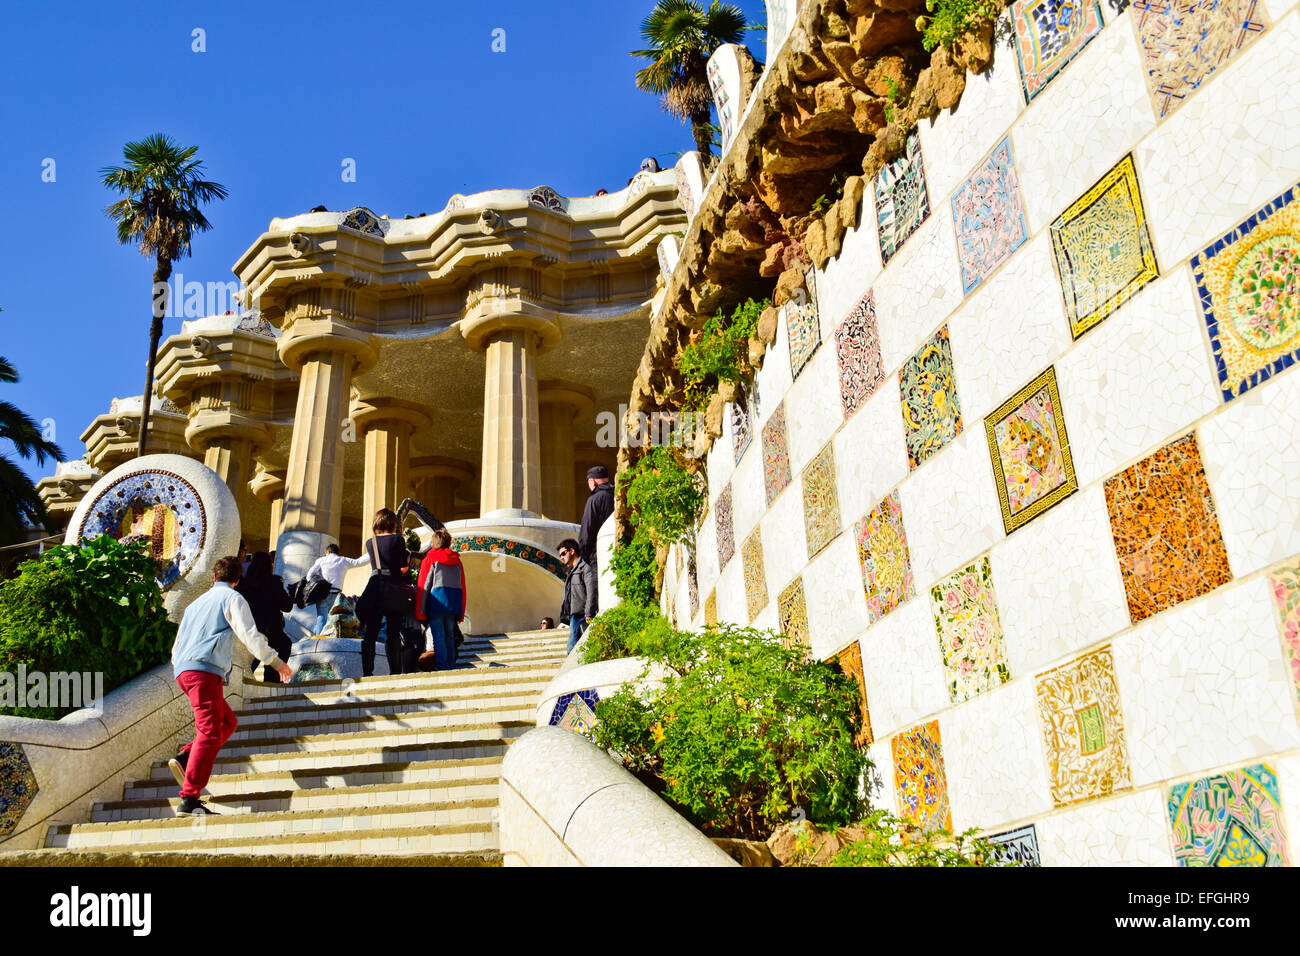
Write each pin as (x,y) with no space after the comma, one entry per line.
(920,784)
(1087,754)
(989,215)
(1103,249)
(1229,819)
(1048,35)
(1183,41)
(928,391)
(792,616)
(1285,582)
(576,712)
(902,201)
(157,507)
(722,522)
(803,331)
(544,197)
(776,455)
(884,558)
(970,632)
(755,577)
(821,504)
(17,786)
(1166,529)
(1032,466)
(857,353)
(1248,283)
(364,221)
(850,661)
(1018,846)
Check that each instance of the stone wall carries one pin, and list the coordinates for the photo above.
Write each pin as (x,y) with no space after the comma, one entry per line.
(1028,462)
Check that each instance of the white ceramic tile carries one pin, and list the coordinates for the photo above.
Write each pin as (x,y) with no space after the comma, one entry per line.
(748,499)
(773,379)
(903,669)
(785,550)
(731,591)
(1126,830)
(850,273)
(812,408)
(870,454)
(837,605)
(921,285)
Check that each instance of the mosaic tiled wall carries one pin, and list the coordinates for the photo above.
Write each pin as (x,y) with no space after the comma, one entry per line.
(1040,486)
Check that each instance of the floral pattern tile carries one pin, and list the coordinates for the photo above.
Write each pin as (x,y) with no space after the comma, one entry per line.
(792,615)
(928,390)
(1285,581)
(902,200)
(884,558)
(1103,248)
(1083,729)
(1182,42)
(1032,466)
(722,520)
(1248,283)
(803,331)
(692,583)
(1229,819)
(821,504)
(741,428)
(920,783)
(857,353)
(711,608)
(1166,529)
(988,212)
(776,455)
(576,712)
(970,631)
(1018,846)
(850,661)
(17,786)
(1048,35)
(755,577)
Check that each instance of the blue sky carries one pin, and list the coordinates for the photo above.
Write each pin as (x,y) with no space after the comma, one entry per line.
(284,92)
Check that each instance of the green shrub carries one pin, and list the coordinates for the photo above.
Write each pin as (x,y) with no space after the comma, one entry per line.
(630,630)
(635,568)
(92,607)
(722,349)
(664,499)
(952,18)
(891,841)
(748,732)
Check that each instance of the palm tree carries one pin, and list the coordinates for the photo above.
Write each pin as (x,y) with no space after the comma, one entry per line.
(20,506)
(682,35)
(161,212)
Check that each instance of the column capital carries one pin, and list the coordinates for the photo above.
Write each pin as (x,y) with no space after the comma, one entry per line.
(556,392)
(493,317)
(438,466)
(208,426)
(305,337)
(370,413)
(267,484)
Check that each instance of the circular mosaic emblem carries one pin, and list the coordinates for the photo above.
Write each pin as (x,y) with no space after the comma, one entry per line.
(157,507)
(1265,293)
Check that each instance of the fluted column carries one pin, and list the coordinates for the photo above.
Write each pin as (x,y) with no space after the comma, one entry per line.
(388,425)
(268,486)
(231,458)
(511,447)
(559,406)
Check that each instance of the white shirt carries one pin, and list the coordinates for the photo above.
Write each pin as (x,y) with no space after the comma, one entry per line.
(332,567)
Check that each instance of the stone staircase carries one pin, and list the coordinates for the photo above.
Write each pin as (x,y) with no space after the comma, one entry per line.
(402,767)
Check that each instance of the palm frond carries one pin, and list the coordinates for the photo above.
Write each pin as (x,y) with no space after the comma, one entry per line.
(28,440)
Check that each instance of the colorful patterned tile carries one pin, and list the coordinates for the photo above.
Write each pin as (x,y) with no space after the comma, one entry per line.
(857,352)
(989,215)
(850,661)
(1048,35)
(1083,730)
(885,560)
(776,455)
(722,521)
(902,200)
(1032,466)
(1229,819)
(1183,41)
(576,711)
(1249,287)
(1166,529)
(920,783)
(792,615)
(692,583)
(821,504)
(970,632)
(1103,248)
(711,608)
(1019,846)
(741,427)
(755,577)
(1286,597)
(928,391)
(17,786)
(803,330)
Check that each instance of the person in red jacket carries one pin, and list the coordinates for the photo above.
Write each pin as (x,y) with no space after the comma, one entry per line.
(441,601)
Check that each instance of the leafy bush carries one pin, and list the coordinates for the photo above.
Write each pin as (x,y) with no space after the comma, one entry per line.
(634,568)
(664,498)
(91,607)
(891,841)
(630,630)
(748,732)
(952,18)
(723,347)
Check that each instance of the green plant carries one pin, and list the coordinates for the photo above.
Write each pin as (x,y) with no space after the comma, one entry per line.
(952,18)
(664,499)
(630,630)
(891,841)
(721,351)
(20,505)
(635,568)
(747,732)
(92,607)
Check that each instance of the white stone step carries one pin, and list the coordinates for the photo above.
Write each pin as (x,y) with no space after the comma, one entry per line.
(386,739)
(525,695)
(431,716)
(263,696)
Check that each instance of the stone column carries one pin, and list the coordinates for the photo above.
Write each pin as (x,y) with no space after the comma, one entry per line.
(435,481)
(268,486)
(229,440)
(388,425)
(560,405)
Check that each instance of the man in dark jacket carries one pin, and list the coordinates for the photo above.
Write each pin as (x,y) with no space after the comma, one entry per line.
(579,605)
(599,507)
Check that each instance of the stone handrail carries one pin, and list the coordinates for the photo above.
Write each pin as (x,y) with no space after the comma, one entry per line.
(566,803)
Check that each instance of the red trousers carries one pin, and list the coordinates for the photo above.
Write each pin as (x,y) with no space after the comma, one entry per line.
(214,722)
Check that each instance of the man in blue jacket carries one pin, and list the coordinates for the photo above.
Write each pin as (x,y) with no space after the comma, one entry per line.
(201,660)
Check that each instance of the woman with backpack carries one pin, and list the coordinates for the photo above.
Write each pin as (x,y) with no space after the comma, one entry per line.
(268,600)
(441,601)
(388,597)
